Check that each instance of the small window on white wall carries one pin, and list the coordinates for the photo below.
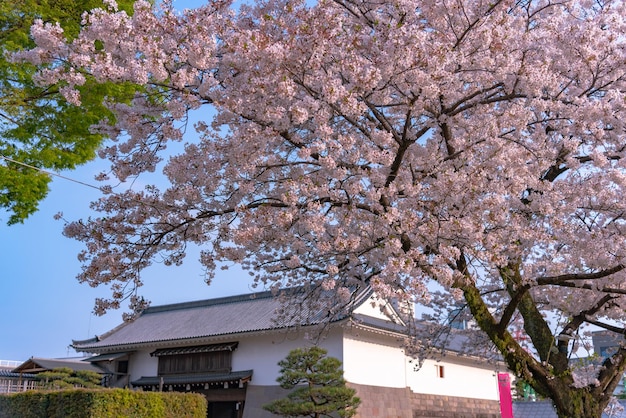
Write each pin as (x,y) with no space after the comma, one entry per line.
(439,369)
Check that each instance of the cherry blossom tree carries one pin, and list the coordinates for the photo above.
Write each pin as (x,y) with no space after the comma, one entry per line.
(469,145)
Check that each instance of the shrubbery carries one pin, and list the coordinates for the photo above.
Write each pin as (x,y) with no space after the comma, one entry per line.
(66,378)
(102,403)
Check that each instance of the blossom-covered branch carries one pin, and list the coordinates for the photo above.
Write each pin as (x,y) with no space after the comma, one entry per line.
(441,152)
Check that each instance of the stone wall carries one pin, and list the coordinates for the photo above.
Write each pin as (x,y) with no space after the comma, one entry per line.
(436,406)
(402,403)
(257,396)
(381,402)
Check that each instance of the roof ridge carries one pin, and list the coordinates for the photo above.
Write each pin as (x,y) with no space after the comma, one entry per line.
(209,302)
(264,306)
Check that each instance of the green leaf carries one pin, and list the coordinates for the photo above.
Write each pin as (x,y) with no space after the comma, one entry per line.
(39,130)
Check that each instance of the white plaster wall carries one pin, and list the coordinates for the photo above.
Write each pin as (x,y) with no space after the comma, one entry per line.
(373,361)
(464,378)
(262,353)
(141,364)
(368,359)
(372,307)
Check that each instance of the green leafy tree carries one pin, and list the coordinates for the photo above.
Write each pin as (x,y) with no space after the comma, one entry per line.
(37,127)
(66,378)
(321,389)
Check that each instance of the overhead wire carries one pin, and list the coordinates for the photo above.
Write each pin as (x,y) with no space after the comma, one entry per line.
(54,174)
(50,173)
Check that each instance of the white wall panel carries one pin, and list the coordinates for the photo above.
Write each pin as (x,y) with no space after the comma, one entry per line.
(262,353)
(466,377)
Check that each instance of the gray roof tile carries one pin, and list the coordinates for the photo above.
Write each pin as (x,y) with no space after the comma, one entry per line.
(544,409)
(107,357)
(539,409)
(38,364)
(215,317)
(8,373)
(196,378)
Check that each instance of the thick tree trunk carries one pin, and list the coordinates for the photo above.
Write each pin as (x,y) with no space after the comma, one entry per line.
(579,403)
(549,376)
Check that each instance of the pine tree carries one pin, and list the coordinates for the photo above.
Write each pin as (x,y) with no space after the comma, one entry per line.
(66,378)
(475,148)
(321,389)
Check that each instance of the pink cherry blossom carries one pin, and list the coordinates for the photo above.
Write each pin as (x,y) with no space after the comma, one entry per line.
(444,152)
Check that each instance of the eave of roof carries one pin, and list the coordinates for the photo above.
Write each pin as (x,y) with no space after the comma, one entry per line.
(181,342)
(231,346)
(14,375)
(212,320)
(381,325)
(107,357)
(453,346)
(195,378)
(39,364)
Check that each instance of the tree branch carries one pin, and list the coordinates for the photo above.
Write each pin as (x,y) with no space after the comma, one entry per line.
(535,324)
(556,280)
(510,309)
(517,359)
(578,320)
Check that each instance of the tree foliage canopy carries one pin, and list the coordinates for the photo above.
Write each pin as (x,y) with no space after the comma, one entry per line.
(475,146)
(321,390)
(66,378)
(37,127)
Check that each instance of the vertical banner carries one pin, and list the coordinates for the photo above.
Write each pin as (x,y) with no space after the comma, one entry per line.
(506,400)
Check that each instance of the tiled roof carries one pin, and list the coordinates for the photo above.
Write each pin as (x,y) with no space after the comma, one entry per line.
(213,318)
(195,349)
(544,409)
(38,364)
(196,378)
(380,324)
(453,341)
(107,357)
(539,409)
(7,373)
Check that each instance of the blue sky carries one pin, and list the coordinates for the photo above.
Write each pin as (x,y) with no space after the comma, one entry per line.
(42,305)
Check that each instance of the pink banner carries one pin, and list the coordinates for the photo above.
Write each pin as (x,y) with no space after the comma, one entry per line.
(506,400)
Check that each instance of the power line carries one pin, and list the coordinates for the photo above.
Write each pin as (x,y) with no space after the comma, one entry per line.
(50,173)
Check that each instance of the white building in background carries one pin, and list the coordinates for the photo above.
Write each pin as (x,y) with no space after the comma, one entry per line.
(605,344)
(11,382)
(228,349)
(20,376)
